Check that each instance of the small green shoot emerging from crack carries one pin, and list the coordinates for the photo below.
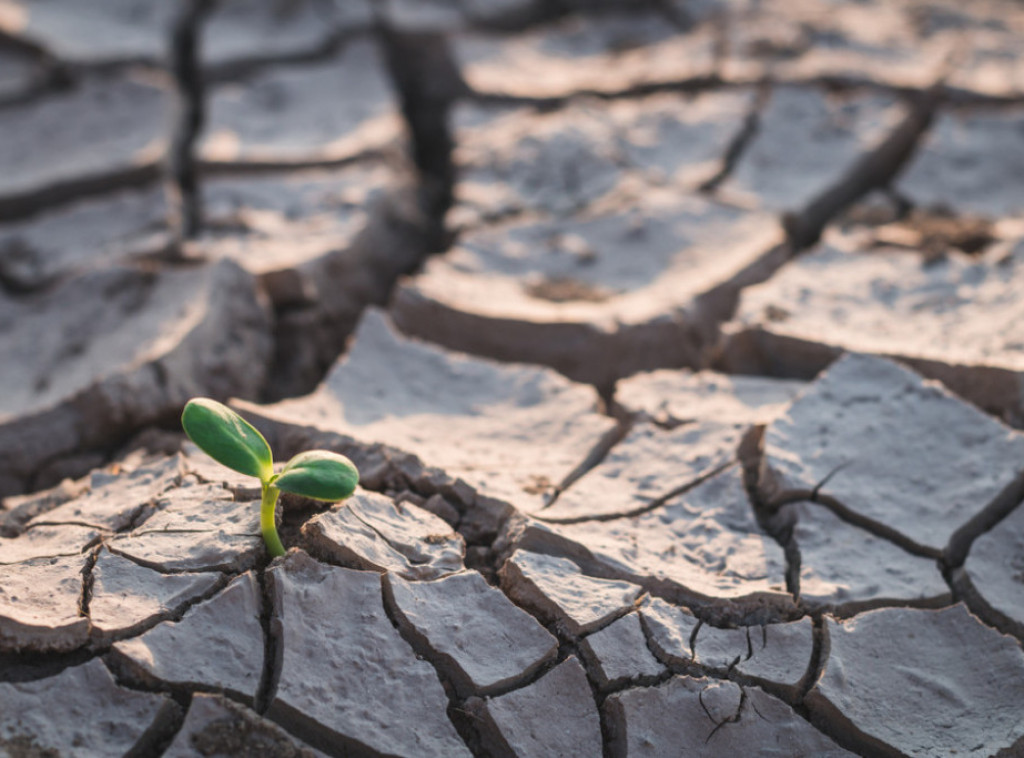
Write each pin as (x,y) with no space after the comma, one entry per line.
(232,441)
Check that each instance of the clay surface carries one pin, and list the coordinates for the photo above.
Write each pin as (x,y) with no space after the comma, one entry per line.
(671,398)
(114,349)
(677,344)
(238,31)
(347,676)
(373,532)
(107,127)
(397,391)
(321,112)
(198,528)
(561,162)
(126,597)
(645,469)
(845,567)
(618,653)
(47,542)
(994,574)
(876,439)
(39,605)
(605,53)
(803,137)
(82,706)
(709,718)
(555,589)
(115,228)
(704,545)
(955,320)
(218,644)
(481,639)
(936,665)
(669,630)
(597,297)
(981,144)
(215,726)
(556,715)
(773,655)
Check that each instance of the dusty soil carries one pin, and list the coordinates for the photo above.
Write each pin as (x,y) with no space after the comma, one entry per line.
(679,346)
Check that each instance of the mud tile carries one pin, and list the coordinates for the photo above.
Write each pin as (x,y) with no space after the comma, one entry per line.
(669,630)
(347,676)
(114,502)
(619,653)
(102,127)
(956,320)
(17,510)
(20,73)
(39,605)
(597,297)
(987,38)
(47,542)
(82,709)
(426,16)
(877,41)
(216,726)
(243,31)
(557,162)
(844,567)
(199,508)
(897,45)
(477,636)
(236,32)
(645,467)
(704,717)
(703,546)
(899,679)
(198,528)
(90,233)
(110,32)
(804,143)
(557,591)
(563,161)
(512,433)
(776,655)
(170,552)
(218,644)
(607,52)
(969,163)
(670,397)
(900,452)
(126,597)
(556,715)
(324,244)
(995,573)
(313,113)
(277,223)
(208,471)
(106,353)
(374,532)
(680,140)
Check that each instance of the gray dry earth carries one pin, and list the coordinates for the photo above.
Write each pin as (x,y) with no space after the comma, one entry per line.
(699,435)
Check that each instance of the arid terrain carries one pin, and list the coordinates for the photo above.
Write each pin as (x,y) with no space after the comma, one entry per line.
(679,345)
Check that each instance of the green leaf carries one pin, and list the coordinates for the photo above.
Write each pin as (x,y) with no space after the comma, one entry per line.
(319,474)
(227,438)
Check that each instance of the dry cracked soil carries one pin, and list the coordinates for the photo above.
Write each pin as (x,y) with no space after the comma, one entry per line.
(676,343)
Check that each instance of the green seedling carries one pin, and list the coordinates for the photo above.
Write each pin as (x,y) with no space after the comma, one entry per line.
(232,441)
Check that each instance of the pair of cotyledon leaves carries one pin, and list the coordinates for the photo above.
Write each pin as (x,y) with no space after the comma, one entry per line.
(231,440)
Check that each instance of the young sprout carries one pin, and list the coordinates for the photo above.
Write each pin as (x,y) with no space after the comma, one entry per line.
(231,440)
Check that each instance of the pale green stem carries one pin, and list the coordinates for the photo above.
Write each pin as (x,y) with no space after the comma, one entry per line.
(268,524)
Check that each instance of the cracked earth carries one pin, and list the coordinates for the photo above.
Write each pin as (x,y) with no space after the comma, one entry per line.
(677,345)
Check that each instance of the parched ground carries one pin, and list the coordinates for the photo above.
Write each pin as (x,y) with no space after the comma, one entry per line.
(679,346)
